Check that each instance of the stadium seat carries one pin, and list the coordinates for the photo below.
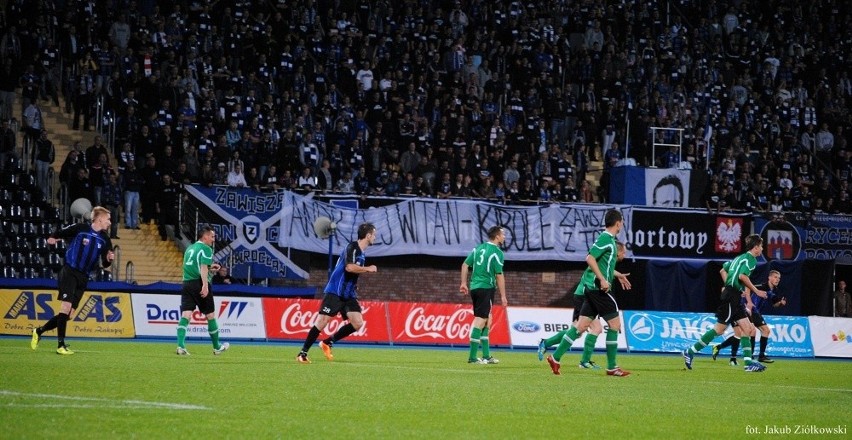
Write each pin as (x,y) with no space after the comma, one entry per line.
(51,215)
(28,273)
(5,195)
(33,213)
(7,229)
(10,181)
(54,261)
(33,259)
(23,196)
(8,272)
(47,272)
(40,245)
(16,213)
(27,181)
(44,229)
(16,260)
(21,244)
(28,230)
(103,275)
(5,245)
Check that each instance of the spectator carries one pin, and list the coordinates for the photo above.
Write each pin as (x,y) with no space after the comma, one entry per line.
(842,301)
(236,178)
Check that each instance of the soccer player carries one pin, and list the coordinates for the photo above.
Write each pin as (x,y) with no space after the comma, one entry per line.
(595,328)
(756,318)
(88,243)
(486,262)
(596,280)
(341,294)
(731,310)
(198,269)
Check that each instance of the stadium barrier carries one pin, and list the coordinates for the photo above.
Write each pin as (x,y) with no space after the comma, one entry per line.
(123,315)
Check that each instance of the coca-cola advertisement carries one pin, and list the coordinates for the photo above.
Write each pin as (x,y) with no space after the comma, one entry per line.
(292,319)
(431,323)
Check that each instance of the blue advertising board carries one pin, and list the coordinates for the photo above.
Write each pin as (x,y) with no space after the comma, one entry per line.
(668,332)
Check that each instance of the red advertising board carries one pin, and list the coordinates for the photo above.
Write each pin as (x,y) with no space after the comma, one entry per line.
(292,319)
(432,323)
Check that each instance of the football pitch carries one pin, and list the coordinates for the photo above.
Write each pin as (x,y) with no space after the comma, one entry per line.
(257,391)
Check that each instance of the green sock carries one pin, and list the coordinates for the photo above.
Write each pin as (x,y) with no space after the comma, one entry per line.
(181,331)
(555,339)
(213,330)
(589,347)
(611,348)
(569,338)
(483,340)
(475,335)
(745,343)
(705,339)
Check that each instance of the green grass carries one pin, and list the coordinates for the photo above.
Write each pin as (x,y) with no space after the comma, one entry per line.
(142,389)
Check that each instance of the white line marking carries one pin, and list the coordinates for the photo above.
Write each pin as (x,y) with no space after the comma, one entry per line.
(108,403)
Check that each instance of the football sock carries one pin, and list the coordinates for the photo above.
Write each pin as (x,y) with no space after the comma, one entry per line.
(569,338)
(555,339)
(705,339)
(343,332)
(49,325)
(752,344)
(744,341)
(483,341)
(729,342)
(61,323)
(735,347)
(763,342)
(183,324)
(475,335)
(213,331)
(611,348)
(589,347)
(313,334)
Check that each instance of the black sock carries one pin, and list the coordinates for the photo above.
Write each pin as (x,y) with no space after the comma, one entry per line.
(343,332)
(752,345)
(728,342)
(763,341)
(61,324)
(735,346)
(49,325)
(312,337)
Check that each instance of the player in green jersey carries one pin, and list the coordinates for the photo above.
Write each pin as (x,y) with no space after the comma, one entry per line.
(599,300)
(198,269)
(731,310)
(595,328)
(486,262)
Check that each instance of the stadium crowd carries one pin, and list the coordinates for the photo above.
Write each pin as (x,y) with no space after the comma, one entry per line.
(499,99)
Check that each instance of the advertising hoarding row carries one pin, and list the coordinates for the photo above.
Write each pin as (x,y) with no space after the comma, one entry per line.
(122,315)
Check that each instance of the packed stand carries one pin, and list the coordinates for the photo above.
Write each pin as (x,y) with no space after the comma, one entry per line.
(500,100)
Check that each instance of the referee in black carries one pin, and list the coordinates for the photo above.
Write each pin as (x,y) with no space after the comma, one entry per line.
(87,244)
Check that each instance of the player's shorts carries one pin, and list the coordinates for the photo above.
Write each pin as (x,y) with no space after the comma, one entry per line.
(190,297)
(730,310)
(333,304)
(482,300)
(757,319)
(579,300)
(72,285)
(599,303)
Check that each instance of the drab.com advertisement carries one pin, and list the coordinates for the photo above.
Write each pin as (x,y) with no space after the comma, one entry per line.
(99,314)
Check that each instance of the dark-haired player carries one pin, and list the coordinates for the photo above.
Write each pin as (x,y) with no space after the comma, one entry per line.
(731,310)
(756,318)
(486,263)
(341,294)
(597,280)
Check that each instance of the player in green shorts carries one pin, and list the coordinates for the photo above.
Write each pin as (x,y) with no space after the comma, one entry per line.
(595,328)
(486,262)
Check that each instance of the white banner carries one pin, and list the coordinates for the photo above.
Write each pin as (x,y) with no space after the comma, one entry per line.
(831,337)
(667,187)
(528,325)
(158,315)
(450,228)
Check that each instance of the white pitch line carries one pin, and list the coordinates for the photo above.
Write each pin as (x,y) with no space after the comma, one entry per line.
(132,404)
